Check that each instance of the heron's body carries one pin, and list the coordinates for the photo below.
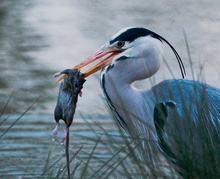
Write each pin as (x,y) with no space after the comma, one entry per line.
(190,110)
(136,116)
(196,104)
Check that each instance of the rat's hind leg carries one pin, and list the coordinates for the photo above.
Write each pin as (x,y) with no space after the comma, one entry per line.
(66,130)
(55,131)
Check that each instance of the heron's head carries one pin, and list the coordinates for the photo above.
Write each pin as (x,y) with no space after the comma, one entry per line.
(141,45)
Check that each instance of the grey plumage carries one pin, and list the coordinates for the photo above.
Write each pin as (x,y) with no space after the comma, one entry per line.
(191,141)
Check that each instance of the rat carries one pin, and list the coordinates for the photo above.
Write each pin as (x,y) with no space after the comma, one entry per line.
(70,89)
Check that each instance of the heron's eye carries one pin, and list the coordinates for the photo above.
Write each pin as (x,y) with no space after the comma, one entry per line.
(120,44)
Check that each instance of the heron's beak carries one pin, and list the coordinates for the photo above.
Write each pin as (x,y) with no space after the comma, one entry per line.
(97,55)
(104,51)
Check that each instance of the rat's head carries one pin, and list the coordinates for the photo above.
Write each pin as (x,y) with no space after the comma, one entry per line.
(73,80)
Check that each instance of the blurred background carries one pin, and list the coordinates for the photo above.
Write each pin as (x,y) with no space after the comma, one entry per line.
(39,38)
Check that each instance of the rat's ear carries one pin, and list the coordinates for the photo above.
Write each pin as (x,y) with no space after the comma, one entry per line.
(57,74)
(64,72)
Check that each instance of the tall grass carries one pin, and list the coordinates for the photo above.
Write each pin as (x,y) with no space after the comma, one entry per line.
(2,121)
(112,154)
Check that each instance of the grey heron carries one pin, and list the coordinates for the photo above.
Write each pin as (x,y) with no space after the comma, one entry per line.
(176,113)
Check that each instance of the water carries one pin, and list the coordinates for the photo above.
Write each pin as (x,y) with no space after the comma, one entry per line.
(39,38)
(26,147)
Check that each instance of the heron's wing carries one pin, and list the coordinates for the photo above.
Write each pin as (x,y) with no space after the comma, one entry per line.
(189,143)
(160,120)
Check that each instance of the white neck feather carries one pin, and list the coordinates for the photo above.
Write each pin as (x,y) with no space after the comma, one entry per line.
(143,61)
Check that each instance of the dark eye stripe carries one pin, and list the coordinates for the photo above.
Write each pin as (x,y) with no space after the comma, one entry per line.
(133,33)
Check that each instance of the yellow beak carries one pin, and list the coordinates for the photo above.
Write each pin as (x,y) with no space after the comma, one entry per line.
(96,55)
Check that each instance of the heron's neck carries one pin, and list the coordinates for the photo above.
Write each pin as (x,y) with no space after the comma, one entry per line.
(127,104)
